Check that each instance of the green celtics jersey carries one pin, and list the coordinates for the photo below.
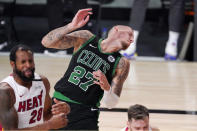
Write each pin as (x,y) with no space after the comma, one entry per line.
(77,84)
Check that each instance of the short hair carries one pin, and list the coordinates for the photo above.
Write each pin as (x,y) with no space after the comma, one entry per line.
(137,112)
(121,26)
(16,48)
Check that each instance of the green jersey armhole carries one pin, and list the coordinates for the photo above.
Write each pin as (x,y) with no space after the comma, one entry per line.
(115,65)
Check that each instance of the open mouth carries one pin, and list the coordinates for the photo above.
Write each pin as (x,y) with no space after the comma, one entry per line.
(28,73)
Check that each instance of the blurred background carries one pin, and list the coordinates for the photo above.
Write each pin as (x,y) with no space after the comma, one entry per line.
(27,21)
(169,90)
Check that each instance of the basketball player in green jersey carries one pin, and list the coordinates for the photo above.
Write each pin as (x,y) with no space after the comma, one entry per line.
(96,69)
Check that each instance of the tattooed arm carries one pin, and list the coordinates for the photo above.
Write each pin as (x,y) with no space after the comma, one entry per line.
(112,92)
(62,38)
(8,115)
(121,74)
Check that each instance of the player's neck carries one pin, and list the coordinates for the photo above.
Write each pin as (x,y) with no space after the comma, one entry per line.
(21,82)
(110,46)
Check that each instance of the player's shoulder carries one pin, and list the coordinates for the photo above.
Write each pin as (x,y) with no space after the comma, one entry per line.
(87,32)
(125,59)
(83,34)
(82,37)
(123,63)
(4,86)
(42,77)
(6,91)
(45,82)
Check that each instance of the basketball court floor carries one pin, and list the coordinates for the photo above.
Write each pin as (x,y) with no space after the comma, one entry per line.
(168,89)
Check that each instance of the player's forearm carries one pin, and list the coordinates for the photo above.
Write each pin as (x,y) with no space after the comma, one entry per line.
(8,114)
(43,126)
(12,125)
(55,122)
(57,37)
(110,98)
(117,88)
(8,122)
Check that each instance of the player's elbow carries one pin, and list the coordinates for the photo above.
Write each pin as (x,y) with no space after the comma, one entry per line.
(44,42)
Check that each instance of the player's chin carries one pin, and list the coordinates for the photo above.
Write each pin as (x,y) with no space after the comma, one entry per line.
(29,76)
(29,73)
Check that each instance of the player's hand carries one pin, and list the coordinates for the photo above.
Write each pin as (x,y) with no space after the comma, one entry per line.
(81,18)
(101,80)
(60,107)
(58,121)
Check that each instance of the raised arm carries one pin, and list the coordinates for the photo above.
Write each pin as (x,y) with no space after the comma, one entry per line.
(62,38)
(8,114)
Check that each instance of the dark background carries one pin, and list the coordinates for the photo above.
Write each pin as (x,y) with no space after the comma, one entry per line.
(27,24)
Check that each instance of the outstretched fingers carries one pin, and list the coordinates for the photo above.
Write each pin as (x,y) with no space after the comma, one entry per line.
(85,12)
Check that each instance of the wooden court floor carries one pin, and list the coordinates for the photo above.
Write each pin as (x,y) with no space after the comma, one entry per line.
(168,88)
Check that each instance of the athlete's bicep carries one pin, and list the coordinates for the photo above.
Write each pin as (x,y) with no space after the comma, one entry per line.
(79,38)
(8,114)
(121,74)
(74,39)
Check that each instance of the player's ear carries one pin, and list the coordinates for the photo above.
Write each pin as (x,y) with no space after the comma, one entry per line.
(116,28)
(128,123)
(12,63)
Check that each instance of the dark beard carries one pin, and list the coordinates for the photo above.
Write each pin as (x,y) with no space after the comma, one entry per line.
(23,77)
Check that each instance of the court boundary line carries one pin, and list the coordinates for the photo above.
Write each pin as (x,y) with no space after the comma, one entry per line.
(160,111)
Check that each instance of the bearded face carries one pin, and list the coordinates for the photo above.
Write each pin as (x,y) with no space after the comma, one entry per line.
(26,75)
(24,66)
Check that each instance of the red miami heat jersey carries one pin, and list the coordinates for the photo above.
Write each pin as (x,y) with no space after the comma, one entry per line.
(29,102)
(127,129)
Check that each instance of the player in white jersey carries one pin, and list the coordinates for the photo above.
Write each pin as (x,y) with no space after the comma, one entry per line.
(138,119)
(24,96)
